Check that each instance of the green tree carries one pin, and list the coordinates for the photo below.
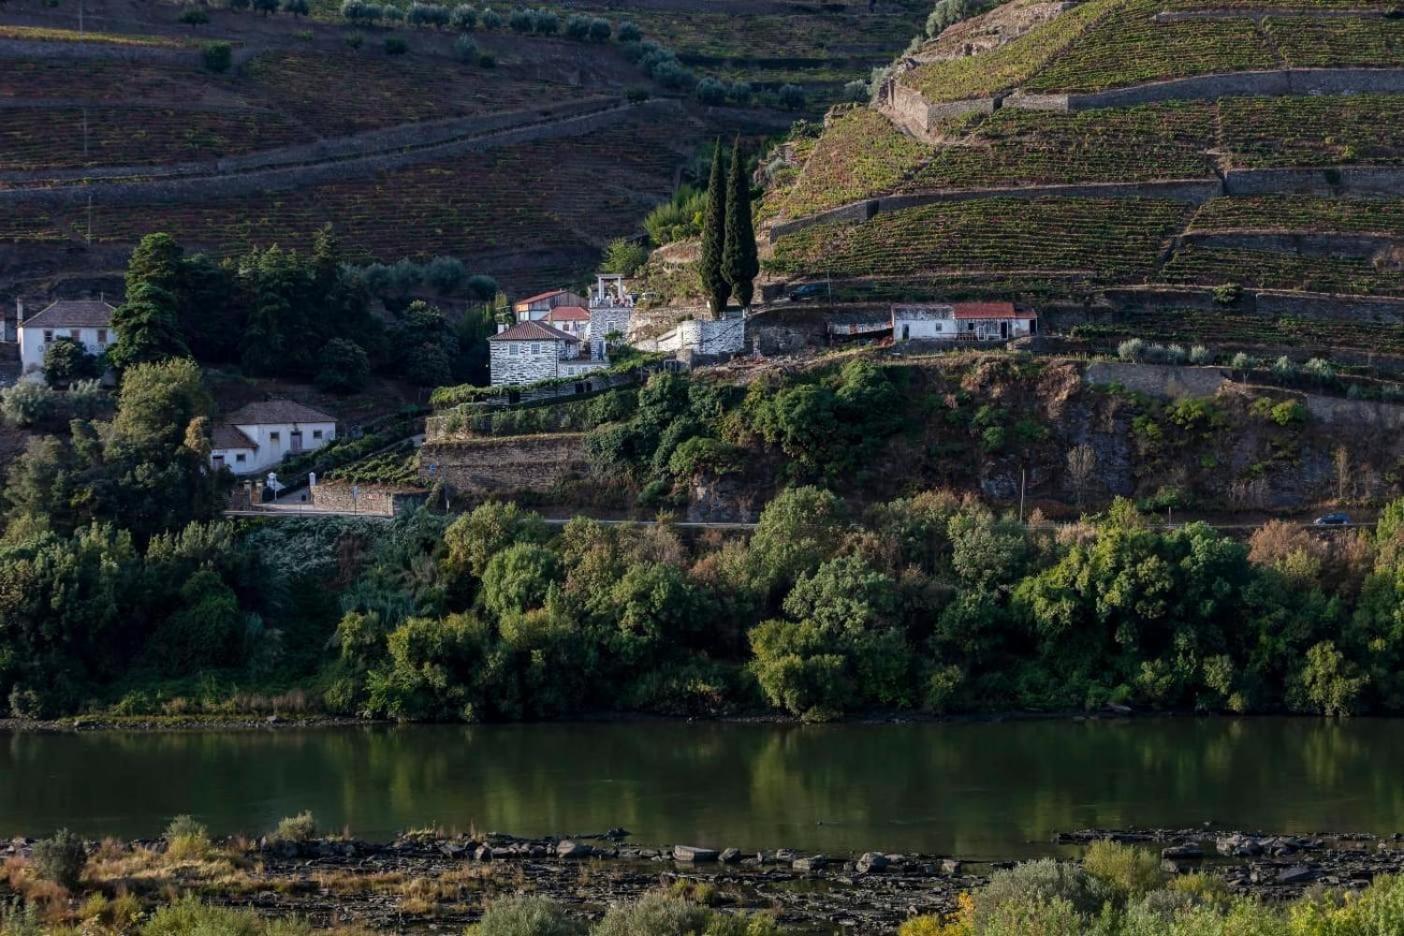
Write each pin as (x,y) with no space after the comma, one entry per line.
(519,577)
(740,263)
(66,360)
(147,327)
(714,283)
(217,56)
(342,366)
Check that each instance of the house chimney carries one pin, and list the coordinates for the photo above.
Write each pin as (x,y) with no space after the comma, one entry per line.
(19,312)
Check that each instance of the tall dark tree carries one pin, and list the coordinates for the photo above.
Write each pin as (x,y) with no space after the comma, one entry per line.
(147,326)
(740,263)
(714,236)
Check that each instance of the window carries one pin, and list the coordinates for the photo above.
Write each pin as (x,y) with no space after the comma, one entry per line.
(102,336)
(275,437)
(513,348)
(48,336)
(316,433)
(239,458)
(74,334)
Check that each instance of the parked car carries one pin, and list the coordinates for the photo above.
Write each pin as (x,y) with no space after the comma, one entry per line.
(807,291)
(1333,519)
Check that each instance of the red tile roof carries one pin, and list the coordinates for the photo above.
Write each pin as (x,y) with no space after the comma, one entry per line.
(532,331)
(539,296)
(989,310)
(568,314)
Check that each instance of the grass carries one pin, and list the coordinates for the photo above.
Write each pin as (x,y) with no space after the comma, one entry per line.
(47,34)
(860,154)
(1012,64)
(1099,239)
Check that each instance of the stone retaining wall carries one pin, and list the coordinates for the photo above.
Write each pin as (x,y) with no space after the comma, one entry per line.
(1329,182)
(387,500)
(497,467)
(1307,245)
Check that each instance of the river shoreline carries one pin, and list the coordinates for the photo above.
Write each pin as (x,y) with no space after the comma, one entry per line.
(422,882)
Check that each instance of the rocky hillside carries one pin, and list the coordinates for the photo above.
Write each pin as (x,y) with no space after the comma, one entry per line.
(1130,155)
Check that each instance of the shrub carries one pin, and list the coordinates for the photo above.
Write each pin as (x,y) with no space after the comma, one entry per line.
(600,29)
(394,45)
(628,32)
(491,19)
(217,56)
(342,366)
(624,256)
(526,916)
(1038,882)
(1328,683)
(60,858)
(195,16)
(487,60)
(1243,362)
(1228,293)
(710,91)
(1129,872)
(1317,369)
(791,97)
(856,90)
(297,7)
(187,839)
(522,21)
(1288,413)
(1284,367)
(1201,355)
(547,23)
(1131,349)
(299,828)
(355,41)
(29,403)
(656,914)
(464,18)
(578,27)
(465,50)
(188,916)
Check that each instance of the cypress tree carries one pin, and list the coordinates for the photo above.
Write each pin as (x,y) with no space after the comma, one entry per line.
(740,264)
(713,237)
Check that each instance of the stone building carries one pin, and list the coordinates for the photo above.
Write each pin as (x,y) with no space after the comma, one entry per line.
(536,308)
(573,320)
(86,321)
(611,311)
(962,321)
(533,351)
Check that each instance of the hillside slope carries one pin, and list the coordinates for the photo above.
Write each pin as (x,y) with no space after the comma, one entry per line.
(1120,155)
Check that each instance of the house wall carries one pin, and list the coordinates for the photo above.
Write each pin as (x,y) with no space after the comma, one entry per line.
(532,361)
(924,327)
(725,337)
(605,320)
(230,458)
(274,440)
(32,343)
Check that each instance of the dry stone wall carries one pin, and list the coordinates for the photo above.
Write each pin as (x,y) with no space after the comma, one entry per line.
(494,467)
(380,499)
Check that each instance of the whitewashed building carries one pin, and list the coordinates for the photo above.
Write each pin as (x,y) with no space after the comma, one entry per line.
(573,320)
(86,321)
(962,321)
(256,437)
(532,351)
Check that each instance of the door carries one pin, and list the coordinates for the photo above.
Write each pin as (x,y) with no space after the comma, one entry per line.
(296,440)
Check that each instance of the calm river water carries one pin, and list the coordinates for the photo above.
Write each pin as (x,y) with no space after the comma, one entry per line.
(974,790)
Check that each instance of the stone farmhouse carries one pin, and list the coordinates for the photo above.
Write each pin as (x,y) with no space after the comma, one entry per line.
(962,321)
(532,351)
(536,308)
(256,437)
(86,321)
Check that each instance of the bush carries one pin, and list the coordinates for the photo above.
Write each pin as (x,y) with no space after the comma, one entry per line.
(710,91)
(342,366)
(465,50)
(487,60)
(1284,367)
(628,32)
(187,839)
(355,41)
(1317,369)
(856,91)
(188,917)
(491,19)
(656,914)
(195,16)
(394,45)
(297,7)
(1129,872)
(1243,362)
(29,403)
(624,256)
(1201,355)
(526,916)
(522,21)
(578,27)
(217,56)
(1038,882)
(1328,683)
(464,18)
(547,23)
(60,859)
(791,97)
(1131,349)
(600,29)
(299,828)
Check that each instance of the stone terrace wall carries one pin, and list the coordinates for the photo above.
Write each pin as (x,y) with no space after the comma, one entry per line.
(1157,380)
(384,499)
(1305,244)
(505,465)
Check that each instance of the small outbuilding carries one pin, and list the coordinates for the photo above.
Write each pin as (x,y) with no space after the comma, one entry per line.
(962,321)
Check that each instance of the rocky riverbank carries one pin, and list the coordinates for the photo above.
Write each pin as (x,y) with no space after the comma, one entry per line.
(425,882)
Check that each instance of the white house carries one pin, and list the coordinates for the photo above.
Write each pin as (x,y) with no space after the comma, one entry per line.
(256,437)
(962,321)
(531,351)
(86,321)
(573,320)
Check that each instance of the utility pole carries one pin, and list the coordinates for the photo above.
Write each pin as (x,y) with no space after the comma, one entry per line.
(90,220)
(1023,478)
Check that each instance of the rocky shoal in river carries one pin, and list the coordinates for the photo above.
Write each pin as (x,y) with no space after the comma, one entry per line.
(340,880)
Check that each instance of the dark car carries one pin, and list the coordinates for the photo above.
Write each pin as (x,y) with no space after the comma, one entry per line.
(1333,519)
(807,291)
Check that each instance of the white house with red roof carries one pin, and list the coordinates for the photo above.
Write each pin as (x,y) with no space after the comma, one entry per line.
(962,321)
(256,437)
(533,351)
(536,308)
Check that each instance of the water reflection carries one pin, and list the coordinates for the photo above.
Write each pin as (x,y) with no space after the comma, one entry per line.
(978,790)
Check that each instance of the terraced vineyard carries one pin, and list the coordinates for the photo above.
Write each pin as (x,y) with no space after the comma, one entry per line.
(1301,213)
(1341,42)
(1029,147)
(1226,327)
(134,136)
(514,197)
(1209,266)
(860,153)
(1313,131)
(1100,240)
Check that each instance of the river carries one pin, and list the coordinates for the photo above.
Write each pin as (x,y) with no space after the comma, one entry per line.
(976,790)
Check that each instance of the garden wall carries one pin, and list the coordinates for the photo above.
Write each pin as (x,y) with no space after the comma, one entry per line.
(384,499)
(500,466)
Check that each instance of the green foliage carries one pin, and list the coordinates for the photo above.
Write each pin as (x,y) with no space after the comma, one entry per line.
(60,858)
(394,45)
(1030,889)
(342,366)
(217,56)
(624,256)
(296,829)
(711,260)
(66,360)
(1128,872)
(186,839)
(1328,683)
(526,916)
(678,218)
(739,262)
